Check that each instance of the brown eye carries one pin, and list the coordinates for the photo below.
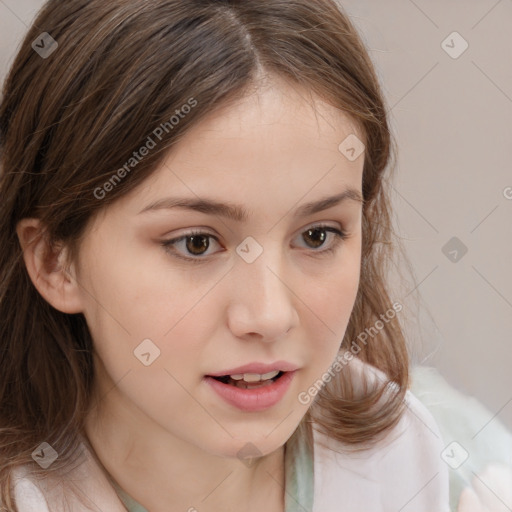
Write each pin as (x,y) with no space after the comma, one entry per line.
(190,247)
(317,235)
(197,244)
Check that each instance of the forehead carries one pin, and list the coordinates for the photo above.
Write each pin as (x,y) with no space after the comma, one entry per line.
(276,144)
(277,106)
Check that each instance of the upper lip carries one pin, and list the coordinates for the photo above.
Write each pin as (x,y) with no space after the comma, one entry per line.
(260,368)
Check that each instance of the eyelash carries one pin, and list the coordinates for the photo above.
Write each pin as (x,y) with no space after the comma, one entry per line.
(168,245)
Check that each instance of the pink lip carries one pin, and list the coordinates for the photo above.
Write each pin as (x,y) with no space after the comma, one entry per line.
(260,368)
(255,399)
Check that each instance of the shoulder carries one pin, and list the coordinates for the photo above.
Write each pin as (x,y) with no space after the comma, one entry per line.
(29,497)
(464,419)
(477,443)
(84,488)
(403,471)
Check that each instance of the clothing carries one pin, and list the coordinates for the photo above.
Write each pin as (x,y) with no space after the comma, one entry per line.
(479,435)
(401,472)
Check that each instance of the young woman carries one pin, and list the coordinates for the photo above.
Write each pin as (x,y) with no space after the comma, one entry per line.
(194,233)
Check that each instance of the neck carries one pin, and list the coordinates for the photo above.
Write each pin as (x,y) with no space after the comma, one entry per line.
(166,474)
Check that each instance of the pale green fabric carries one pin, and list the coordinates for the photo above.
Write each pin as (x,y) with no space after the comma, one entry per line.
(298,461)
(464,420)
(130,504)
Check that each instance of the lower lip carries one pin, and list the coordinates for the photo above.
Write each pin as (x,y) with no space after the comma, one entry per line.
(255,399)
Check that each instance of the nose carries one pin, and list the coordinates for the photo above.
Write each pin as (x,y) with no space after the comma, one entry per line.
(263,300)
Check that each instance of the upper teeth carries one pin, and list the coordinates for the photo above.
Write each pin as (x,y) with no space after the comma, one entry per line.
(254,377)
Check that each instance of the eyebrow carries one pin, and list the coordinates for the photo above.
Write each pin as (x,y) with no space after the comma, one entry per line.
(239,214)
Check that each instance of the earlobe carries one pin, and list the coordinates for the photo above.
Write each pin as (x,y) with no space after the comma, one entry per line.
(46,266)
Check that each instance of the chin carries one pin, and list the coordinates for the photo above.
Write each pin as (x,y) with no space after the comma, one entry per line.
(249,445)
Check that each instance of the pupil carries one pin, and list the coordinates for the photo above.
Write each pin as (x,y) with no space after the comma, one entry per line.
(321,237)
(192,247)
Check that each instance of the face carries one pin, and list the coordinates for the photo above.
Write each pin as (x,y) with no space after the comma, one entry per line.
(167,308)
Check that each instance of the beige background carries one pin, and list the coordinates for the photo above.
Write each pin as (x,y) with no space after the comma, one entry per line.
(452,118)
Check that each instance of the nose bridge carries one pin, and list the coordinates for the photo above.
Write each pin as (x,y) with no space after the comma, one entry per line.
(263,302)
(264,276)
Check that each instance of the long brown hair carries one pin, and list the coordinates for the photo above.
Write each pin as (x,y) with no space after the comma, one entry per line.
(71,117)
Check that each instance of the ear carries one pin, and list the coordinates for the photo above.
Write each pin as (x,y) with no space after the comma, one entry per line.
(46,266)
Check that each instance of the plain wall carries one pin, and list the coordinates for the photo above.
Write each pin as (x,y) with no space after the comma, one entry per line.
(452,119)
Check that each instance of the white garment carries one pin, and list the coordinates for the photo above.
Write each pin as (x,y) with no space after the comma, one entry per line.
(481,444)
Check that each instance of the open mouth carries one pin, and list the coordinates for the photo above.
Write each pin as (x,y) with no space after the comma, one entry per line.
(252,395)
(226,379)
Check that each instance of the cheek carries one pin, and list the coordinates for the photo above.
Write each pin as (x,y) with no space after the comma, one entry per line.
(333,291)
(132,301)
(143,296)
(330,301)
(142,323)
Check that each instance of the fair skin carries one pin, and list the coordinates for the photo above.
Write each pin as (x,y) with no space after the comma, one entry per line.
(159,430)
